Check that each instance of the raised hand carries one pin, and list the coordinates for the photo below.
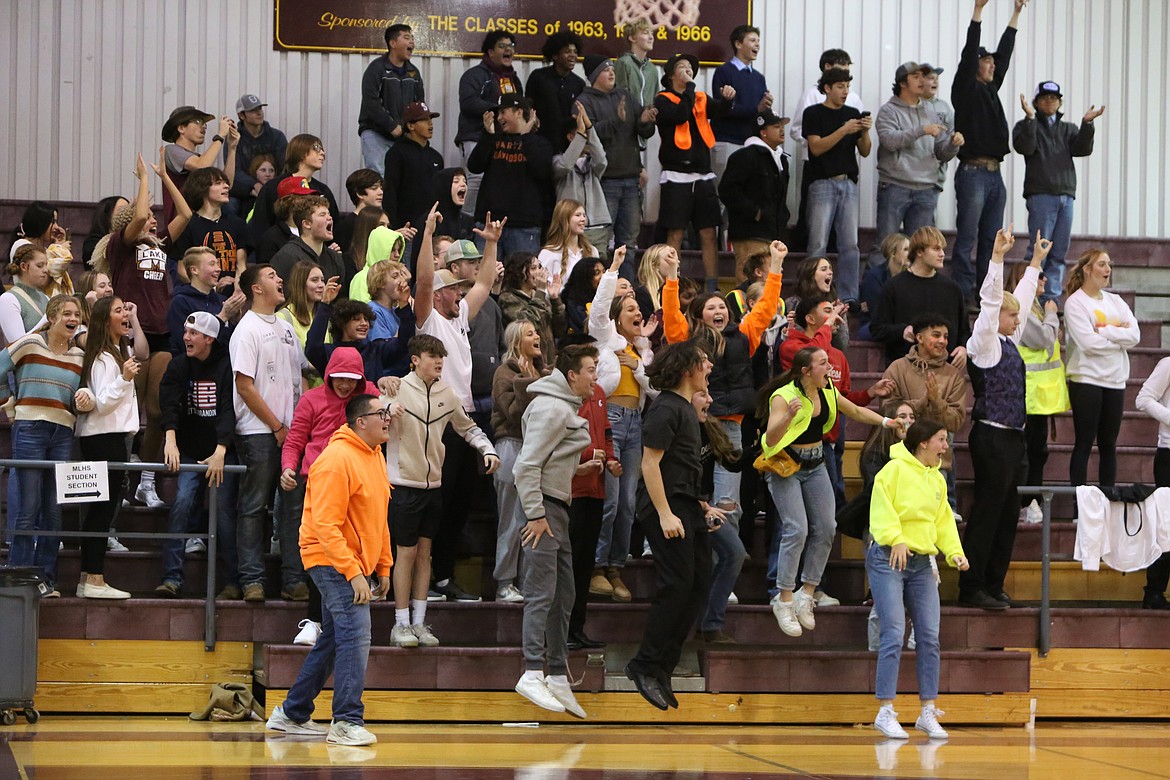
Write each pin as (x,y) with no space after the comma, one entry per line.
(619,256)
(489,122)
(433,219)
(492,229)
(1029,110)
(778,250)
(332,288)
(1040,249)
(1005,239)
(1093,113)
(140,167)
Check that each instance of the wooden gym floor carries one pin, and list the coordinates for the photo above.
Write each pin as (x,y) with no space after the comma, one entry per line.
(60,748)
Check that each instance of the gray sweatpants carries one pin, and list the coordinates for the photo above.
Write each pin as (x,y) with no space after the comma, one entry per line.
(548,594)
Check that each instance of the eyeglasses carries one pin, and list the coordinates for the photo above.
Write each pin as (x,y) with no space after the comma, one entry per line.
(505,46)
(199,122)
(381,414)
(318,148)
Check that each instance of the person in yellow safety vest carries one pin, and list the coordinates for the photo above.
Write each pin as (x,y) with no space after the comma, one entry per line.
(1046,388)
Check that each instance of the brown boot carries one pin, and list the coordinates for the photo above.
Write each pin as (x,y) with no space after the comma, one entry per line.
(599,585)
(620,591)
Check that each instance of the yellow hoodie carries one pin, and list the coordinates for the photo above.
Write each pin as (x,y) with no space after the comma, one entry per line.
(346,497)
(909,506)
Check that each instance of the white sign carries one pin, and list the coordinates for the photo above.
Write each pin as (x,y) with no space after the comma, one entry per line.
(81,482)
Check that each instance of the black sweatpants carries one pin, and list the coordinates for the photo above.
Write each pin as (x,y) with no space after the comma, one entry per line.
(584,529)
(999,459)
(683,567)
(460,473)
(113,447)
(1096,415)
(1036,438)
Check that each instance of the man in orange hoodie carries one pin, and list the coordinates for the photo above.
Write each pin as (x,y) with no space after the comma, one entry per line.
(344,539)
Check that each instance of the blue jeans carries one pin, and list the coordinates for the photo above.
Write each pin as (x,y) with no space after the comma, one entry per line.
(473,179)
(730,553)
(192,487)
(726,490)
(981,198)
(261,454)
(893,593)
(623,198)
(343,650)
(1052,215)
(288,529)
(36,506)
(617,516)
(804,504)
(901,209)
(513,240)
(835,204)
(834,457)
(374,148)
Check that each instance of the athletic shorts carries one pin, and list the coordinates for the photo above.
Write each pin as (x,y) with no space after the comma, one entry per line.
(695,204)
(414,513)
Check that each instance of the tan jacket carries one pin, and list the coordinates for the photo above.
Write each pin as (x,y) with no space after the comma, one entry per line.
(949,407)
(415,452)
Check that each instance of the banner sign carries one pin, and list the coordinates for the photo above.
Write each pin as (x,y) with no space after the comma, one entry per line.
(457,27)
(80,482)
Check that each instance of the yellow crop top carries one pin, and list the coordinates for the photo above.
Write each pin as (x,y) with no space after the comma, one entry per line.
(628,384)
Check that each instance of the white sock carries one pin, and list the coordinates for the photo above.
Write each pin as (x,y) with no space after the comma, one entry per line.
(402,617)
(533,674)
(420,611)
(147,479)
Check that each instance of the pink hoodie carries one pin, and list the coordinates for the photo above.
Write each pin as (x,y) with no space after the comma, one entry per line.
(321,412)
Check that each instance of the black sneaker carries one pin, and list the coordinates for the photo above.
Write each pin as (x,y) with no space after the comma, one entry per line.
(982,600)
(1006,599)
(1155,601)
(579,641)
(453,592)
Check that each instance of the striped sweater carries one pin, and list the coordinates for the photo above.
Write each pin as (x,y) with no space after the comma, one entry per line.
(45,381)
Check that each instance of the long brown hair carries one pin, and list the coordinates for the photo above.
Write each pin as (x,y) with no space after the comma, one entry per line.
(709,336)
(800,361)
(363,225)
(880,437)
(1076,277)
(295,295)
(99,339)
(559,232)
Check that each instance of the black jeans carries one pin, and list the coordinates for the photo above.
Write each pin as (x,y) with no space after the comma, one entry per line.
(683,567)
(460,473)
(1096,414)
(584,528)
(999,459)
(109,447)
(1036,438)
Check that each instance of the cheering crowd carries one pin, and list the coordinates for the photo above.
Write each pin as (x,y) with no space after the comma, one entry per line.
(493,315)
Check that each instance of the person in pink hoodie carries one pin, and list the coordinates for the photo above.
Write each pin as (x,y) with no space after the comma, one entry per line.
(318,415)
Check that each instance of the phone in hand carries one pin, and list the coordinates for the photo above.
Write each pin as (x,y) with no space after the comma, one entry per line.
(864,114)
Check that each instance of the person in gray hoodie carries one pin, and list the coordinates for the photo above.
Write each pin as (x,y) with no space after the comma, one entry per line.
(912,141)
(623,124)
(554,436)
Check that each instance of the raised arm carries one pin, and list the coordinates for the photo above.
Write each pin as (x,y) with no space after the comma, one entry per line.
(424,286)
(478,294)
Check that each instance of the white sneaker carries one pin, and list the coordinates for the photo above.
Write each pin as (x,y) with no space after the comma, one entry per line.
(510,594)
(113,545)
(402,636)
(146,494)
(537,692)
(102,592)
(194,546)
(785,612)
(804,605)
(424,635)
(928,722)
(281,722)
(345,733)
(732,598)
(307,636)
(825,600)
(1034,514)
(563,692)
(887,723)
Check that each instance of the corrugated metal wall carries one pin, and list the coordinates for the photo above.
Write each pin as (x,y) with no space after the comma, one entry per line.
(90,82)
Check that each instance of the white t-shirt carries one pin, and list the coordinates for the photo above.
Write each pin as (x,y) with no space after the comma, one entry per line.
(457,365)
(551,260)
(265,347)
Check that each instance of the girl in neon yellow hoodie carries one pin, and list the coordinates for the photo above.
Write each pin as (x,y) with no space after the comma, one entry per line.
(910,521)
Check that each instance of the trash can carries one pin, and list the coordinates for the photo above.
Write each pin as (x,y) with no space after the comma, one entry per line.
(20,604)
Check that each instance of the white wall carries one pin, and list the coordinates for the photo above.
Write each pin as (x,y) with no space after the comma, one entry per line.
(90,82)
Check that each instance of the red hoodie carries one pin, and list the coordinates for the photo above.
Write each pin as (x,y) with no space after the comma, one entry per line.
(320,412)
(592,485)
(838,365)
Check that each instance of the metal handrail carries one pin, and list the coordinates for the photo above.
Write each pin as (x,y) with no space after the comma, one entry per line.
(211,535)
(1046,492)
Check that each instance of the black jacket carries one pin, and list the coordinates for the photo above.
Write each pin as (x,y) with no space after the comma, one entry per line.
(410,170)
(905,297)
(755,193)
(194,393)
(263,216)
(455,223)
(385,95)
(271,141)
(381,357)
(273,239)
(731,383)
(479,91)
(552,96)
(296,250)
(1049,149)
(695,158)
(978,112)
(517,178)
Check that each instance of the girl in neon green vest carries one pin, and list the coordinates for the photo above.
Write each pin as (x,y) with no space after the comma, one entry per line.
(801,407)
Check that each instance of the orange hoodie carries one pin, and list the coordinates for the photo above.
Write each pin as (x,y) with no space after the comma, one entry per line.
(346,497)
